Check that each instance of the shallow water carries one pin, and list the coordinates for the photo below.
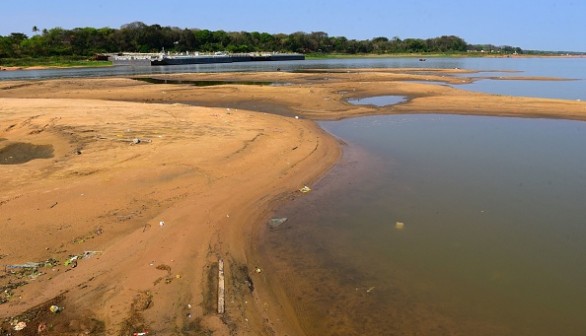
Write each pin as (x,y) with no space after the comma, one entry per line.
(493,242)
(571,89)
(378,100)
(22,152)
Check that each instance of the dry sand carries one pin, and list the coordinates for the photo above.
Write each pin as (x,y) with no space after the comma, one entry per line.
(197,188)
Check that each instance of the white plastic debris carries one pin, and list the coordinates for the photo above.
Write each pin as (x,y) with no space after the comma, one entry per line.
(305,189)
(20,325)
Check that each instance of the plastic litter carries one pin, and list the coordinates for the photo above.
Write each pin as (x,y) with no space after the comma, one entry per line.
(55,309)
(276,222)
(20,325)
(399,225)
(41,328)
(71,262)
(305,189)
(34,265)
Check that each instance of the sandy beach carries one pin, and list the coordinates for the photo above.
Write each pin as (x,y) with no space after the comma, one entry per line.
(122,194)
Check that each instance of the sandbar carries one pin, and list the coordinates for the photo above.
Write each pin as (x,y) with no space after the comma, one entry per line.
(149,185)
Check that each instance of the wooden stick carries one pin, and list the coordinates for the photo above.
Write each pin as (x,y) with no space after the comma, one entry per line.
(221,287)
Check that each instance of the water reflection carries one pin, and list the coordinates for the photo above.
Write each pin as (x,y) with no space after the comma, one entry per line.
(493,230)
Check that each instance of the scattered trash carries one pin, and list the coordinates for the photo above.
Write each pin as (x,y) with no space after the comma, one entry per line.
(89,254)
(55,309)
(370,290)
(137,141)
(34,265)
(71,262)
(20,325)
(305,189)
(399,225)
(296,117)
(276,222)
(161,223)
(27,265)
(54,204)
(258,270)
(41,328)
(142,333)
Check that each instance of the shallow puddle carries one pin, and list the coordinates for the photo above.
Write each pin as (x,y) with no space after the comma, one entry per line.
(378,100)
(22,152)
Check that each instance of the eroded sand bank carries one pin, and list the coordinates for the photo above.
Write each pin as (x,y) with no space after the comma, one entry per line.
(158,187)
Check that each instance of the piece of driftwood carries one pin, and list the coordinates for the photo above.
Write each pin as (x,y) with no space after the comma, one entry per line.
(221,288)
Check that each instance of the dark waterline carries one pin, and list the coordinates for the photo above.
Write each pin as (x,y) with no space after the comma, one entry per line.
(493,242)
(207,82)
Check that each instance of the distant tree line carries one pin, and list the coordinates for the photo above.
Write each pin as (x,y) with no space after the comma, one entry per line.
(139,37)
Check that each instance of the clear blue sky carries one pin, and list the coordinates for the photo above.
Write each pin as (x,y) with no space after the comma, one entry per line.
(529,24)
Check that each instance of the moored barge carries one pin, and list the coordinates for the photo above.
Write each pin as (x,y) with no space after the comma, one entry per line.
(144,59)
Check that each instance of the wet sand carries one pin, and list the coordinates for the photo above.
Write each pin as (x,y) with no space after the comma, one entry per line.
(157,182)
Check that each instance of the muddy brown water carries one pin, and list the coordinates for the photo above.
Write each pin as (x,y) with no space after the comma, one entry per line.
(491,240)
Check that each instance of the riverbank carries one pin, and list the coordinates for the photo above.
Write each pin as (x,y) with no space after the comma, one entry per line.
(160,212)
(151,184)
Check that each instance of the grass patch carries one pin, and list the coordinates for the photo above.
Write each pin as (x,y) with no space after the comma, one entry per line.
(56,61)
(317,56)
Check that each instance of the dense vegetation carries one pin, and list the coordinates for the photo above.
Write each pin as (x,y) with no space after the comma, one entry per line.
(139,37)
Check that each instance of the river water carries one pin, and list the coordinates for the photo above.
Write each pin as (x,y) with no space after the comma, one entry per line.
(445,224)
(435,224)
(492,241)
(568,68)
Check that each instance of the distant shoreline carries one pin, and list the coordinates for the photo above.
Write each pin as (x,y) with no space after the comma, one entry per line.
(312,56)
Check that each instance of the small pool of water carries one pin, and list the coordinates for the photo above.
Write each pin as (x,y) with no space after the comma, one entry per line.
(378,100)
(22,152)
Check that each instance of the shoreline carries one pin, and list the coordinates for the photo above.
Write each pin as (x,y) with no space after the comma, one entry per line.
(102,192)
